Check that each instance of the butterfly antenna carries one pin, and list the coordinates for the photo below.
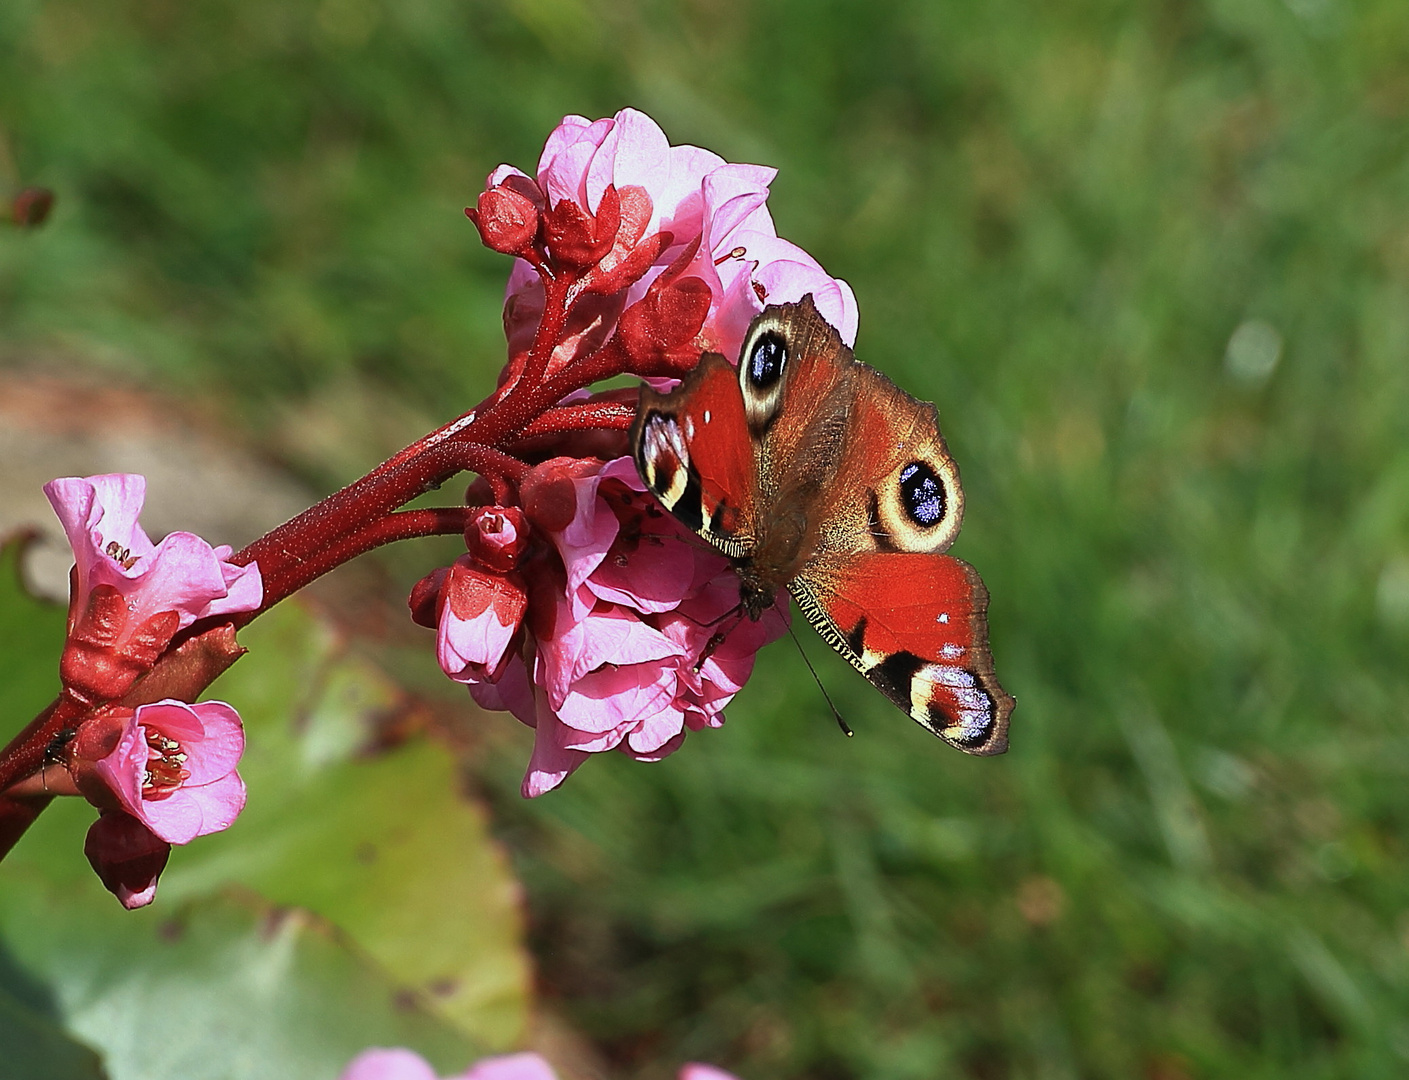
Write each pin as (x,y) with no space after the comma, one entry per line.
(828,697)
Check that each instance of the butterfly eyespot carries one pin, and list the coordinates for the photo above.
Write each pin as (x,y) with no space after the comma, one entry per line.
(922,494)
(918,506)
(763,366)
(766,360)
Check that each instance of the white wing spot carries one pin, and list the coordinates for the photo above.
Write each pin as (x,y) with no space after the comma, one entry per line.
(706,416)
(663,448)
(943,617)
(951,651)
(974,711)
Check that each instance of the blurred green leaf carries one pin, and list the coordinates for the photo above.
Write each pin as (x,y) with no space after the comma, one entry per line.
(224,988)
(381,847)
(36,1047)
(31,636)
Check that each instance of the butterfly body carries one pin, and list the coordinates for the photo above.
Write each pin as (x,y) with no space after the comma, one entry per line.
(814,472)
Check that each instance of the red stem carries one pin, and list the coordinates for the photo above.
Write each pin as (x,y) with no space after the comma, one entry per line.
(403,525)
(612,415)
(285,554)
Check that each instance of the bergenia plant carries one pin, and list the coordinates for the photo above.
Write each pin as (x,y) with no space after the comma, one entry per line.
(579,605)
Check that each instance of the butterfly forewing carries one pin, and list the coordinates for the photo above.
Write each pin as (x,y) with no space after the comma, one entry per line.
(692,449)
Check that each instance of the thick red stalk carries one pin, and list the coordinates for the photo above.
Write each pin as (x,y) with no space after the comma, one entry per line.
(613,415)
(284,553)
(403,525)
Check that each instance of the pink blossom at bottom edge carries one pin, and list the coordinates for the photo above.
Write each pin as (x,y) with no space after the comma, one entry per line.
(398,1063)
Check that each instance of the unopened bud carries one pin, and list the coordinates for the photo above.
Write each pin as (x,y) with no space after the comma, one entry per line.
(425,598)
(127,857)
(506,219)
(497,537)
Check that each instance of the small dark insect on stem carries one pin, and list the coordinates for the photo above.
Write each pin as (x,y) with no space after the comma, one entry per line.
(54,751)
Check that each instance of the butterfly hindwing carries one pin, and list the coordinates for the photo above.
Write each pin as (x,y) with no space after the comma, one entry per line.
(915,625)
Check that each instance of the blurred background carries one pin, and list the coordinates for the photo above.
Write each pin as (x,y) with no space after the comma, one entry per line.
(1150,258)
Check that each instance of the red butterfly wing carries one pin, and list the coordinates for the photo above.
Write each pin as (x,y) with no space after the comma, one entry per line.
(914,623)
(693,450)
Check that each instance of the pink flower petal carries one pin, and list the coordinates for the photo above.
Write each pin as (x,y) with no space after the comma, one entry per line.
(206,800)
(608,635)
(390,1063)
(552,761)
(183,573)
(695,1071)
(512,1067)
(605,699)
(513,692)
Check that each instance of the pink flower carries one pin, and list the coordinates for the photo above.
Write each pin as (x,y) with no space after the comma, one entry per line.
(714,212)
(388,1063)
(640,640)
(633,256)
(401,1064)
(480,613)
(511,1067)
(696,1071)
(127,857)
(130,596)
(173,768)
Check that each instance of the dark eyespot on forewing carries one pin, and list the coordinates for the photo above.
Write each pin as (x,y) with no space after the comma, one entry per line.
(767,359)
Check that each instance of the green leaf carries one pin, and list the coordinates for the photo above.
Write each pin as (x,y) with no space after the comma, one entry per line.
(225,987)
(36,1047)
(31,637)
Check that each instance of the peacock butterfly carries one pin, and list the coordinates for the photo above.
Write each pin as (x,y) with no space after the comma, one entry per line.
(812,470)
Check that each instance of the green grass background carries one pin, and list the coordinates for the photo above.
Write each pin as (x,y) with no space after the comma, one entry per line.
(1151,259)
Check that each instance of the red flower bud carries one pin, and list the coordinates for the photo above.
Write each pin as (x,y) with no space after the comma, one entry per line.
(664,323)
(127,857)
(425,598)
(577,239)
(507,220)
(496,537)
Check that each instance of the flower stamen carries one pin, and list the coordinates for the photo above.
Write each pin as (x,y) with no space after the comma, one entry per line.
(165,769)
(121,555)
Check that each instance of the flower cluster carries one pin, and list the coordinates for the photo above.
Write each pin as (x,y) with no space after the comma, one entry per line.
(581,607)
(703,219)
(627,632)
